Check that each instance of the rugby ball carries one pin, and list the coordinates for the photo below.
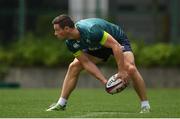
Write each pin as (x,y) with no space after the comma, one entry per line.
(114,85)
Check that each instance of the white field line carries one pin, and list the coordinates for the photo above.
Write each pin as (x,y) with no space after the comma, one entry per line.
(93,114)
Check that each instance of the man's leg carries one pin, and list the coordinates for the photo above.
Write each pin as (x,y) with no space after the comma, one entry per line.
(137,79)
(71,78)
(70,82)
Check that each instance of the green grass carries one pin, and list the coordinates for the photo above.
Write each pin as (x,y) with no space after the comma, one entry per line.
(88,103)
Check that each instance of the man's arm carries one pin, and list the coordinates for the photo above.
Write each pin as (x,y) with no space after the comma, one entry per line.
(91,67)
(117,51)
(110,42)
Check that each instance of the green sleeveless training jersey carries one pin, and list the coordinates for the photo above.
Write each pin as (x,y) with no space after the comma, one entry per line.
(93,34)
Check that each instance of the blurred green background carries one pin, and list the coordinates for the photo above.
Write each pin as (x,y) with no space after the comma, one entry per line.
(27,40)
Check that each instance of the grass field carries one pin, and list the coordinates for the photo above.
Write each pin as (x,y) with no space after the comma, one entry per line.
(88,103)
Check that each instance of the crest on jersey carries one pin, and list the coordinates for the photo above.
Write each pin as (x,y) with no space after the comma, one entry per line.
(75,45)
(88,41)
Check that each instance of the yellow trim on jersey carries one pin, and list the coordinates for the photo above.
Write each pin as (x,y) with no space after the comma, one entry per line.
(78,53)
(104,38)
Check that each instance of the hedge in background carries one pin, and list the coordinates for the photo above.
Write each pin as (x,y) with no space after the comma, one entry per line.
(50,52)
(161,54)
(34,51)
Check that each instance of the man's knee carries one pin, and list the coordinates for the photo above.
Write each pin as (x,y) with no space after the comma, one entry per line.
(75,66)
(131,69)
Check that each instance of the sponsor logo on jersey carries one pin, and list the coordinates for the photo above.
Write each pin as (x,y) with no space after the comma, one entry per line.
(94,48)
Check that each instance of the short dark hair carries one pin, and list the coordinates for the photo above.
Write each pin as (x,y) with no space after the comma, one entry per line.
(63,20)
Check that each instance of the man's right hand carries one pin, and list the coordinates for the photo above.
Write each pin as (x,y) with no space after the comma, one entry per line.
(123,75)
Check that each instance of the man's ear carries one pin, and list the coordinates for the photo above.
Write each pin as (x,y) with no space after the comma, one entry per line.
(66,28)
